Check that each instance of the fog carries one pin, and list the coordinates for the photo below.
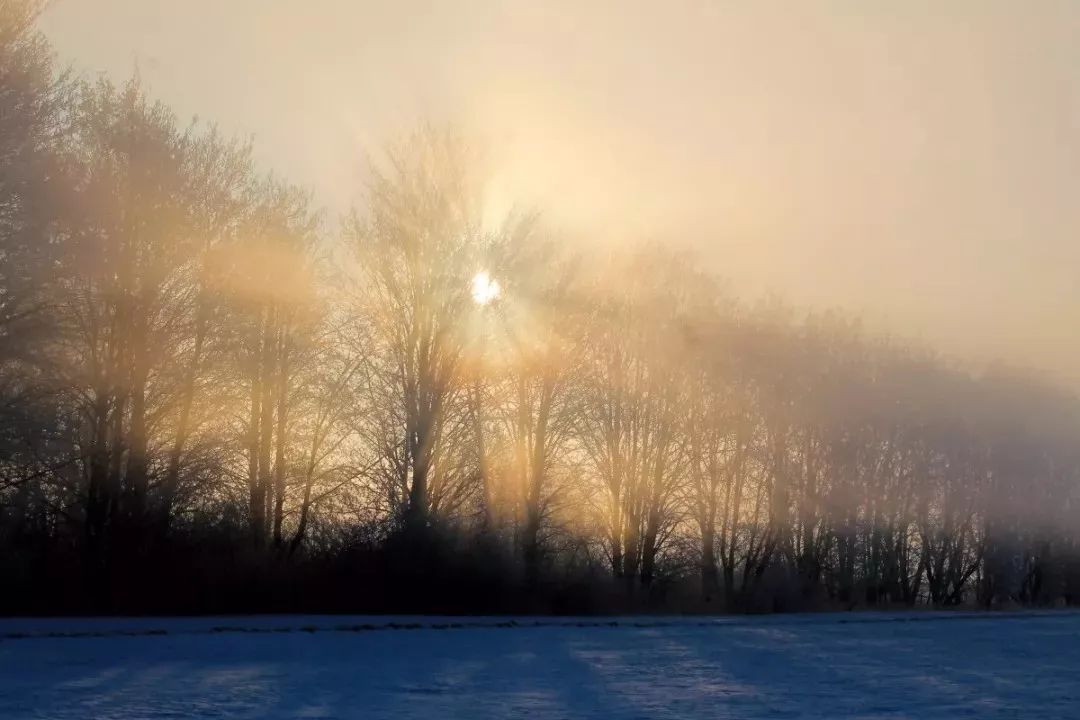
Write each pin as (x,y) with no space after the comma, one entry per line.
(918,165)
(423,315)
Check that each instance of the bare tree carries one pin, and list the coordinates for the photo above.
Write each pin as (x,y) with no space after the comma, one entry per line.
(417,249)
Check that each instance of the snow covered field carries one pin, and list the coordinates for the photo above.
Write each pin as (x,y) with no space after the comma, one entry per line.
(826,666)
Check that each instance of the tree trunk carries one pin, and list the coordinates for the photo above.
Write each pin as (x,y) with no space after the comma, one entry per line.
(709,574)
(171,483)
(279,458)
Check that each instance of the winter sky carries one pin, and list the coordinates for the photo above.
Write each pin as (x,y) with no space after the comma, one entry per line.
(916,162)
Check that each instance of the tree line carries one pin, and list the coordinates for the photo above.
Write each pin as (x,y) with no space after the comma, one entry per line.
(214,397)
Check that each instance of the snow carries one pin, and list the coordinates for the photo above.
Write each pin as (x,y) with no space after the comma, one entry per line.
(918,665)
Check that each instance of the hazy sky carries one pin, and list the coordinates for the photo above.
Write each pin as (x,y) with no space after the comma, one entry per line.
(916,162)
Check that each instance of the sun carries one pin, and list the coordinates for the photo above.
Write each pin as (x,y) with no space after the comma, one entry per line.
(484,288)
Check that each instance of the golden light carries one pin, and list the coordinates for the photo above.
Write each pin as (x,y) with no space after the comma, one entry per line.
(484,288)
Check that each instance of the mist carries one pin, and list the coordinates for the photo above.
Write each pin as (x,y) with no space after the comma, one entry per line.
(545,334)
(916,166)
(530,310)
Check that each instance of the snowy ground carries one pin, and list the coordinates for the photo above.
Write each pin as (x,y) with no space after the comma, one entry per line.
(826,666)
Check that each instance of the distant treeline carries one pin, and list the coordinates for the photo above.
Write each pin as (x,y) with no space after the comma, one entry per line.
(212,398)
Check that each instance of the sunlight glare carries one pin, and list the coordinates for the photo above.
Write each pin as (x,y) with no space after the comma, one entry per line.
(484,289)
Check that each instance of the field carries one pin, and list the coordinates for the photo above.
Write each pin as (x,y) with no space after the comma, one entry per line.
(925,665)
